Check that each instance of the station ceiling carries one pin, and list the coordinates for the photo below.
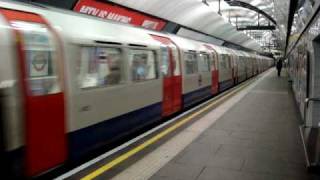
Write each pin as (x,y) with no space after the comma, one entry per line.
(196,15)
(203,15)
(277,9)
(243,15)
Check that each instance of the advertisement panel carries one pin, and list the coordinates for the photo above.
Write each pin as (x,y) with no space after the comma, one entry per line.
(117,13)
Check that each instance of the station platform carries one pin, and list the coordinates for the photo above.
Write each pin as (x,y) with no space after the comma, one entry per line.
(253,135)
(258,138)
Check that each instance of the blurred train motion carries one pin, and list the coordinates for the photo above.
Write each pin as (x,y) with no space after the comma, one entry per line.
(70,84)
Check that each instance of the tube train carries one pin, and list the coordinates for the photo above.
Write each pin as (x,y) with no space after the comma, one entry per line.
(71,84)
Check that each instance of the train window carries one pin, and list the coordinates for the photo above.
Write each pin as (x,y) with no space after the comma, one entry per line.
(191,62)
(229,61)
(214,62)
(100,66)
(40,54)
(176,68)
(143,65)
(224,63)
(241,61)
(204,63)
(244,62)
(165,65)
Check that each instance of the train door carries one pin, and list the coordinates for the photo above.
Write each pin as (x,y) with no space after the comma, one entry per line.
(231,59)
(256,66)
(172,79)
(41,87)
(245,67)
(232,68)
(204,72)
(253,66)
(235,63)
(215,74)
(250,65)
(246,64)
(214,71)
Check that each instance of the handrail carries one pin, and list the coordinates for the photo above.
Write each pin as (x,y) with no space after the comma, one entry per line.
(307,100)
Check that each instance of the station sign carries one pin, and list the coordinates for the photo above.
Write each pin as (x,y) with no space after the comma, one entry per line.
(117,13)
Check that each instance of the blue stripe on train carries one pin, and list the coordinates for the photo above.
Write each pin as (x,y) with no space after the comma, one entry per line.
(196,96)
(225,85)
(96,136)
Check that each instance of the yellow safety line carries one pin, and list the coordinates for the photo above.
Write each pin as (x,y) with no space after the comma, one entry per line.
(154,139)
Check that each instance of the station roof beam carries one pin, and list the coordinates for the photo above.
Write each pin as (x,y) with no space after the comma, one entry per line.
(251,7)
(256,28)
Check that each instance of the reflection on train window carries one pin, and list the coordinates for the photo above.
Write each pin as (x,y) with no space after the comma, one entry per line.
(204,63)
(165,65)
(224,63)
(242,62)
(229,61)
(143,65)
(214,61)
(250,63)
(176,67)
(100,66)
(40,56)
(191,62)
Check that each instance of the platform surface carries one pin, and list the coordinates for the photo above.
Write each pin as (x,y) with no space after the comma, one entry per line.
(258,138)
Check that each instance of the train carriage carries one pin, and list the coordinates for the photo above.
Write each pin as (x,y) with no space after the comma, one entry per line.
(196,69)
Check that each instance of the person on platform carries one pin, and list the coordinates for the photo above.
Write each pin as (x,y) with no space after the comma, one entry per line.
(279,67)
